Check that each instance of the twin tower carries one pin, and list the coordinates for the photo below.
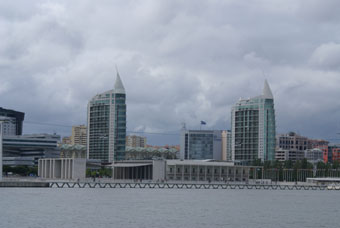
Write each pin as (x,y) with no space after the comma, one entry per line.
(253,128)
(252,134)
(106,121)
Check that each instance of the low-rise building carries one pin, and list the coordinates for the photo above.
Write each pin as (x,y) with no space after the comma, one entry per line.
(31,147)
(289,154)
(62,168)
(314,155)
(182,170)
(292,141)
(295,147)
(336,154)
(135,141)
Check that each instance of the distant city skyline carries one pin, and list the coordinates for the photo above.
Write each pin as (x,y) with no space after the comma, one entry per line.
(182,62)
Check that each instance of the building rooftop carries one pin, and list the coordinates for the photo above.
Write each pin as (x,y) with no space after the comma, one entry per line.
(119,88)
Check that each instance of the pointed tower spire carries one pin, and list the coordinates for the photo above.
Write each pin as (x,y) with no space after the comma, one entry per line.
(119,88)
(267,93)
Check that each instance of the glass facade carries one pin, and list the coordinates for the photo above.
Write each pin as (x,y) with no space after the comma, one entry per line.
(246,134)
(99,128)
(201,145)
(119,126)
(107,125)
(253,128)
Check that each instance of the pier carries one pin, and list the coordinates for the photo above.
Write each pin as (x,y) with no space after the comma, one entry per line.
(190,186)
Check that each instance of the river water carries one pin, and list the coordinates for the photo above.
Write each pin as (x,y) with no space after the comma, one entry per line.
(57,208)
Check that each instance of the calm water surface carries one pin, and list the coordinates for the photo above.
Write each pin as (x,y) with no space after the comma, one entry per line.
(167,208)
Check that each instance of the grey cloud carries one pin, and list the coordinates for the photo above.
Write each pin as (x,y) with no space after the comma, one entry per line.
(179,61)
(326,56)
(320,11)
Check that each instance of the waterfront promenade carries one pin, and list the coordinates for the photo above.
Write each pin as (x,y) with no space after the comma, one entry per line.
(110,183)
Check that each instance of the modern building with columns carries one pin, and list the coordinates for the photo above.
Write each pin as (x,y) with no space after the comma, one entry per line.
(62,168)
(193,170)
(183,170)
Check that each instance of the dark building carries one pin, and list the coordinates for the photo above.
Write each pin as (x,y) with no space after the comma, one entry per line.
(16,119)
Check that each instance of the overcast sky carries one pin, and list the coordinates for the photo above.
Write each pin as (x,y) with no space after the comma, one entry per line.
(180,61)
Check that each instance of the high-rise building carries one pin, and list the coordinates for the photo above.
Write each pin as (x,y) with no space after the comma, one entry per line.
(79,135)
(106,133)
(14,121)
(201,144)
(135,141)
(253,128)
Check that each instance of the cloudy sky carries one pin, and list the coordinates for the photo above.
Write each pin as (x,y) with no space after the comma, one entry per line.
(180,61)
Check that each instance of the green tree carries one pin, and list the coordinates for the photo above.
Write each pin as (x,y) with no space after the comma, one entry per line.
(257,162)
(21,170)
(320,165)
(267,165)
(288,164)
(335,165)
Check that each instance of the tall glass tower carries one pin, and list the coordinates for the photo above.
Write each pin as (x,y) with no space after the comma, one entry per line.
(106,118)
(253,128)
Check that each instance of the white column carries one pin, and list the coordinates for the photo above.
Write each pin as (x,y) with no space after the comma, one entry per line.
(62,169)
(39,168)
(70,168)
(51,170)
(67,165)
(45,169)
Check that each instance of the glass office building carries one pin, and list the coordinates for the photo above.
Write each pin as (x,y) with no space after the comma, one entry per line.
(107,124)
(253,128)
(201,145)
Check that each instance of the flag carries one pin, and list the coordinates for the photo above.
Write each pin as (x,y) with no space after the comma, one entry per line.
(203,122)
